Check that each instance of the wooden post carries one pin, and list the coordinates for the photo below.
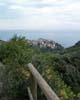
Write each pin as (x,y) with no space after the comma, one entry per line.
(48,92)
(33,87)
(30,94)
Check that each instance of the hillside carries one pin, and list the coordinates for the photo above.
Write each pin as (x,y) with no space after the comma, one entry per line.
(1,42)
(61,69)
(74,48)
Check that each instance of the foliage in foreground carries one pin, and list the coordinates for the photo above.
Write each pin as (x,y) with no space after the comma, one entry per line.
(59,70)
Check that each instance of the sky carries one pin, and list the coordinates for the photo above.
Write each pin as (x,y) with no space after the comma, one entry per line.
(40,14)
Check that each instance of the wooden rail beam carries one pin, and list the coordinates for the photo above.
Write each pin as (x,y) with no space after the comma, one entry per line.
(48,92)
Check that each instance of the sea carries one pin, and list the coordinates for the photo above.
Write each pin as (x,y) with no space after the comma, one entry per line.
(66,38)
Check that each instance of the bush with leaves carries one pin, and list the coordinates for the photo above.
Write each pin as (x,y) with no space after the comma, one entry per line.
(60,69)
(14,55)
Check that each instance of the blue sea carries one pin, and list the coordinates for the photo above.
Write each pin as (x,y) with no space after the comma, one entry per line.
(66,38)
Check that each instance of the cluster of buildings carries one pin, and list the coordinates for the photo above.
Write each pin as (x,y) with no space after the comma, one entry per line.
(42,43)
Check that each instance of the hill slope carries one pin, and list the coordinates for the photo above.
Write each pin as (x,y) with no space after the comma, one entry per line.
(60,69)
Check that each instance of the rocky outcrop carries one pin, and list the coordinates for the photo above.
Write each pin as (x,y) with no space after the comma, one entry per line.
(44,43)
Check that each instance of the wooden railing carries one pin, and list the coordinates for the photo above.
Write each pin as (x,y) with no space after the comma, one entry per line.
(36,78)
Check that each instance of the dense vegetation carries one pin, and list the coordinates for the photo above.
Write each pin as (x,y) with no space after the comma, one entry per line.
(60,68)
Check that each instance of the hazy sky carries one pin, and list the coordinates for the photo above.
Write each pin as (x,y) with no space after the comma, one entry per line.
(39,14)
